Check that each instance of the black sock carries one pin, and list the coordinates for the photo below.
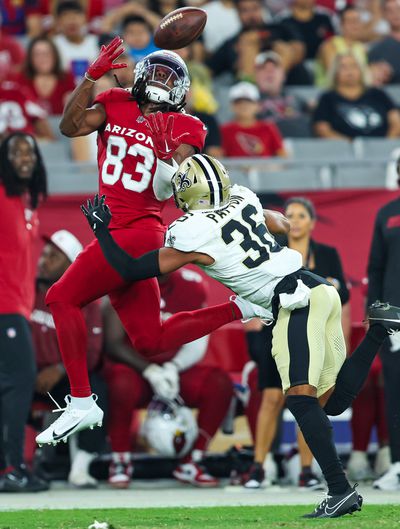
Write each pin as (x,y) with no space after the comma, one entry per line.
(354,371)
(317,431)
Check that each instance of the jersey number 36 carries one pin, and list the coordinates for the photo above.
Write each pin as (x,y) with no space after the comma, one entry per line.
(257,242)
(117,150)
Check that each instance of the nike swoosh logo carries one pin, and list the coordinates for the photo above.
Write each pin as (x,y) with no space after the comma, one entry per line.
(167,149)
(96,216)
(56,437)
(331,510)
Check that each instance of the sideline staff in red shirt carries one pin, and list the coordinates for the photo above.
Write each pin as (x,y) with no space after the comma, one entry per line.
(22,184)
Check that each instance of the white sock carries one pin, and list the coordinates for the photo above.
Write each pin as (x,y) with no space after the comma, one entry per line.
(82,403)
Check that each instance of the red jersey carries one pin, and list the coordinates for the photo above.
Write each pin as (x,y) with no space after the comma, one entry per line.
(18,109)
(127,161)
(18,233)
(53,104)
(45,336)
(262,139)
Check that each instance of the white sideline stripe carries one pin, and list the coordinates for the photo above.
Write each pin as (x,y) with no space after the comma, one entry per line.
(169,493)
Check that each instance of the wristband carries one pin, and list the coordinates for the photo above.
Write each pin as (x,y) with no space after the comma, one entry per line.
(87,76)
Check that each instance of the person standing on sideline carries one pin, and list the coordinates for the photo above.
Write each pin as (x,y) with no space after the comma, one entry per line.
(22,185)
(383,274)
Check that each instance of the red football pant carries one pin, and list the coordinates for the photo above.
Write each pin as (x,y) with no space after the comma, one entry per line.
(369,410)
(209,389)
(137,304)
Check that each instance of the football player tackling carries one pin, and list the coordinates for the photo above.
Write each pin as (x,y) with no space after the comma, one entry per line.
(142,137)
(225,231)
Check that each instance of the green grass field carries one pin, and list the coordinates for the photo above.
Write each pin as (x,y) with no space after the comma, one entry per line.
(270,517)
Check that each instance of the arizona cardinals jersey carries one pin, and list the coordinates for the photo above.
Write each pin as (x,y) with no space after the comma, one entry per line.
(247,259)
(127,161)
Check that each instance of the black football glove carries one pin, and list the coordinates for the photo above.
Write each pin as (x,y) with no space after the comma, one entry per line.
(98,214)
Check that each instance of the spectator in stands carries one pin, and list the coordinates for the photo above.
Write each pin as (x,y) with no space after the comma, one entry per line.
(112,20)
(201,86)
(223,23)
(288,111)
(385,53)
(134,380)
(138,37)
(43,75)
(246,135)
(20,111)
(351,108)
(266,395)
(76,46)
(22,186)
(349,41)
(60,250)
(383,283)
(239,52)
(213,143)
(314,24)
(21,18)
(12,55)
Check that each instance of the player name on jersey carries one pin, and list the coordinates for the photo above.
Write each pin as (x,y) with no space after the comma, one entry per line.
(130,133)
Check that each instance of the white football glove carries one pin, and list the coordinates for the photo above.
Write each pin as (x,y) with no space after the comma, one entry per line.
(164,382)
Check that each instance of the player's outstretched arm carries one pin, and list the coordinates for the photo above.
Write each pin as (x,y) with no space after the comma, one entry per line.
(151,264)
(77,119)
(276,222)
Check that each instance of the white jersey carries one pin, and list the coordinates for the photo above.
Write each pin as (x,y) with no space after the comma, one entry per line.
(247,259)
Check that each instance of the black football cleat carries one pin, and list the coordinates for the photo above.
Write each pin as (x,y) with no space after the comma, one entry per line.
(21,480)
(337,505)
(385,314)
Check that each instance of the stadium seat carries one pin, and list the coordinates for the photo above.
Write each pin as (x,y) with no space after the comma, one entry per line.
(381,148)
(359,176)
(320,149)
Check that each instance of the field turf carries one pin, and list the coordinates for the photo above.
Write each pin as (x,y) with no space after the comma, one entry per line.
(268,517)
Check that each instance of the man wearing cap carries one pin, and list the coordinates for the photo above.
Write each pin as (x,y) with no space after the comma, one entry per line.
(246,135)
(60,250)
(287,110)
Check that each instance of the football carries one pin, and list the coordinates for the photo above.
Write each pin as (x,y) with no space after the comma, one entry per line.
(180,27)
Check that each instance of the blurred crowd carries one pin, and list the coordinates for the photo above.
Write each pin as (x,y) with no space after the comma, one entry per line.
(255,50)
(349,51)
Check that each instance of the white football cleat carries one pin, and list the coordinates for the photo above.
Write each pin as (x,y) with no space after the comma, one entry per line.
(389,481)
(72,420)
(250,310)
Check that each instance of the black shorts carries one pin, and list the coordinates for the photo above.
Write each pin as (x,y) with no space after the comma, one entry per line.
(260,346)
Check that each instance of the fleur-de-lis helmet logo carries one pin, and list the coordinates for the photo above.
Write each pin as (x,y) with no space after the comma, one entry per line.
(182,181)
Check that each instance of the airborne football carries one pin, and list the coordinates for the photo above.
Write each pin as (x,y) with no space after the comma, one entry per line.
(180,28)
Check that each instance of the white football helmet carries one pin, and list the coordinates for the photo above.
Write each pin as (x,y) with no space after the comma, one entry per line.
(161,77)
(169,427)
